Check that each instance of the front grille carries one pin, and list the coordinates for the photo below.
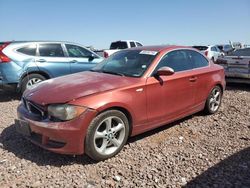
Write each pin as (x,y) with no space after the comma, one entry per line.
(34,108)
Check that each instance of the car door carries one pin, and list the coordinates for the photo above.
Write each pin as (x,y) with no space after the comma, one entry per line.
(51,59)
(80,59)
(170,96)
(202,75)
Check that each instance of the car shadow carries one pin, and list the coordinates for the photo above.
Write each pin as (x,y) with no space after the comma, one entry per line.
(233,171)
(238,87)
(15,143)
(6,96)
(22,148)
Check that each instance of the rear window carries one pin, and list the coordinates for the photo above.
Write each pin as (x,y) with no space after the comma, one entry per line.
(28,50)
(201,48)
(118,45)
(240,52)
(51,50)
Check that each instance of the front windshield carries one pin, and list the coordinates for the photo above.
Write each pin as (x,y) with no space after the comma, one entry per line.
(132,63)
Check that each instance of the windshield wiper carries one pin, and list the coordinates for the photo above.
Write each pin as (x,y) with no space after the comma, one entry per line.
(107,72)
(110,72)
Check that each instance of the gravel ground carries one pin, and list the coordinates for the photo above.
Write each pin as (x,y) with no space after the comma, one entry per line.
(199,151)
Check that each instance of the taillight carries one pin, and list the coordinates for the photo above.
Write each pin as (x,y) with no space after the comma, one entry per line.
(3,57)
(206,53)
(106,55)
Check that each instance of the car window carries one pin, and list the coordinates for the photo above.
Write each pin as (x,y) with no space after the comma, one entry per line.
(197,59)
(118,45)
(51,50)
(28,50)
(138,44)
(132,44)
(213,49)
(132,63)
(241,52)
(77,51)
(178,60)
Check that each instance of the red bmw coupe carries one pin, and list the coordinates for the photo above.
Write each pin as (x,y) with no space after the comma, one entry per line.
(131,92)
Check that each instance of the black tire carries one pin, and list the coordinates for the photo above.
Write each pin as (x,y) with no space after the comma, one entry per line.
(90,140)
(213,59)
(208,106)
(26,79)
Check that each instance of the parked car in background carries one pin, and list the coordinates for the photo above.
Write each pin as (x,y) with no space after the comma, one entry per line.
(225,48)
(25,63)
(212,52)
(119,45)
(236,65)
(133,91)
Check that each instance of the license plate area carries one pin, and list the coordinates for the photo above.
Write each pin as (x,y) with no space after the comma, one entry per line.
(22,127)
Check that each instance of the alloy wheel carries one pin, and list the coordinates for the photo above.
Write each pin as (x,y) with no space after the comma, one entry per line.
(32,82)
(215,99)
(109,135)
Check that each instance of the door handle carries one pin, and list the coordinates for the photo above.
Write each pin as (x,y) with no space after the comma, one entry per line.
(73,61)
(41,60)
(193,79)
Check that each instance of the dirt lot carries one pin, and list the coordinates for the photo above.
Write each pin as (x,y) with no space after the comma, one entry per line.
(199,151)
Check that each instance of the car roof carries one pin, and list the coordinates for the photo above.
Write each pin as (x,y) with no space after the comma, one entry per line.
(34,41)
(160,48)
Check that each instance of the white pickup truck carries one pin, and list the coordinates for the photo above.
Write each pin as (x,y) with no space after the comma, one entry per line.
(119,45)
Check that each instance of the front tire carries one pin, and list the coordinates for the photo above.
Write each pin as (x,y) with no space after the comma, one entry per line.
(213,101)
(106,135)
(30,80)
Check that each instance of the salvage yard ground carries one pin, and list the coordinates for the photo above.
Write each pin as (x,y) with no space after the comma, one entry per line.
(199,151)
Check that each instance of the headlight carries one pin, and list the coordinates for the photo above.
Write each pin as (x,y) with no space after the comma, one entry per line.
(65,111)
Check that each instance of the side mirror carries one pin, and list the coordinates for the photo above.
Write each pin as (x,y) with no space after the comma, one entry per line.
(165,71)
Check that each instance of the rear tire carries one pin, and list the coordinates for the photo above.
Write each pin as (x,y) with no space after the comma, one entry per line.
(31,80)
(213,101)
(106,135)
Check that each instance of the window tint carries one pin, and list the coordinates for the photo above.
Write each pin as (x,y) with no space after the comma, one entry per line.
(179,60)
(77,51)
(138,44)
(241,52)
(51,50)
(198,60)
(118,45)
(132,44)
(28,50)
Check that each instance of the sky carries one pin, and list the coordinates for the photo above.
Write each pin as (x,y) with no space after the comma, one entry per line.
(152,22)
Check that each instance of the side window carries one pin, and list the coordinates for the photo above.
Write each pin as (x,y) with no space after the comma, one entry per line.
(178,60)
(132,44)
(28,50)
(213,49)
(198,60)
(138,44)
(51,50)
(77,51)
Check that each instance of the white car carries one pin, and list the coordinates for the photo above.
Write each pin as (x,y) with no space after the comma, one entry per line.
(212,52)
(119,45)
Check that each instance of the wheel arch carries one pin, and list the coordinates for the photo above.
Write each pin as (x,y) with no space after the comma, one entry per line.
(46,75)
(123,110)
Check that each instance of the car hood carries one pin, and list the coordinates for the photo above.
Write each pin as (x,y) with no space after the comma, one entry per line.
(70,87)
